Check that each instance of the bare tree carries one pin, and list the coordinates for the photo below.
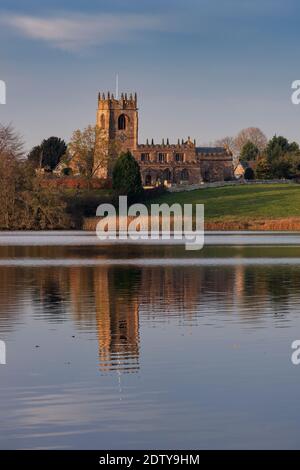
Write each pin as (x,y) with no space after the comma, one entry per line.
(253,135)
(8,190)
(11,143)
(90,152)
(105,155)
(24,201)
(11,150)
(227,142)
(81,150)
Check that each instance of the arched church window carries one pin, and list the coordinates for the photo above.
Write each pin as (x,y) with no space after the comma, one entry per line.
(122,122)
(167,174)
(184,175)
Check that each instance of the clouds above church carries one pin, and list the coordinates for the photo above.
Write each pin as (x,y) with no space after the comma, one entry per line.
(79,31)
(201,67)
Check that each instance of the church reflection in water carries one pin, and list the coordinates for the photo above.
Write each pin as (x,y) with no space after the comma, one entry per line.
(112,301)
(117,314)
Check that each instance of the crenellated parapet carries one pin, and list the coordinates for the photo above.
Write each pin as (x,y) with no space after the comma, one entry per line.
(179,155)
(213,153)
(108,100)
(165,144)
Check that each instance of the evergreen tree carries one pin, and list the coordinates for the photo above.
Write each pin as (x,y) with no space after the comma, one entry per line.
(263,169)
(52,149)
(126,176)
(277,146)
(249,152)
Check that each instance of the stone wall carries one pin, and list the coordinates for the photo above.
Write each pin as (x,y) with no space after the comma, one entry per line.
(216,167)
(220,184)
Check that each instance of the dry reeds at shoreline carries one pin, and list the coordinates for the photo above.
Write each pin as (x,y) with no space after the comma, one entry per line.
(280,224)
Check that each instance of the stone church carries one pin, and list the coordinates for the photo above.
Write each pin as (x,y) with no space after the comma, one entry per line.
(164,163)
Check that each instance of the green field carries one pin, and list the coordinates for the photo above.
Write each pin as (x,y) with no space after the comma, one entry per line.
(263,201)
(240,207)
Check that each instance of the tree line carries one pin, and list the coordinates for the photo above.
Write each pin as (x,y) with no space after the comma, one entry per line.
(88,151)
(27,203)
(274,159)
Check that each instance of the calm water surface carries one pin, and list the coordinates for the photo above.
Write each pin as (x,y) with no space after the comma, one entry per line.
(149,346)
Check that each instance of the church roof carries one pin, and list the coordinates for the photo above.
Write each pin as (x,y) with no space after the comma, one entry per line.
(210,150)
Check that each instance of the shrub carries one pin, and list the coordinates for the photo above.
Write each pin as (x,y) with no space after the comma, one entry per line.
(263,169)
(249,174)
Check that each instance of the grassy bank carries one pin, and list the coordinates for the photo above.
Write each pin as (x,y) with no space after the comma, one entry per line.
(255,207)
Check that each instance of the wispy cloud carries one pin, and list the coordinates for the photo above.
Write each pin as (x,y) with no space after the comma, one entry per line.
(75,32)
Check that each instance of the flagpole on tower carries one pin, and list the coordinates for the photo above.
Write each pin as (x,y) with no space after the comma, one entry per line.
(117,86)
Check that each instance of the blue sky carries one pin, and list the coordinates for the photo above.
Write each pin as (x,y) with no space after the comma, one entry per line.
(204,68)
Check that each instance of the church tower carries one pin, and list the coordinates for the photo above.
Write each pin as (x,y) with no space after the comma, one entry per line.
(118,120)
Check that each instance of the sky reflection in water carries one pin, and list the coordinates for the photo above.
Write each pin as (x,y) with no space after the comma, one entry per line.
(149,347)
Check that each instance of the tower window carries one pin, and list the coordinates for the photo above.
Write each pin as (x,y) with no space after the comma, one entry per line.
(144,157)
(122,122)
(162,157)
(178,157)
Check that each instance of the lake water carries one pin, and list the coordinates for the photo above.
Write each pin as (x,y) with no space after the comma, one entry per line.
(127,347)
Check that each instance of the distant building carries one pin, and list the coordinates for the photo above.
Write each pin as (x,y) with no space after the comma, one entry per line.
(164,163)
(240,168)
